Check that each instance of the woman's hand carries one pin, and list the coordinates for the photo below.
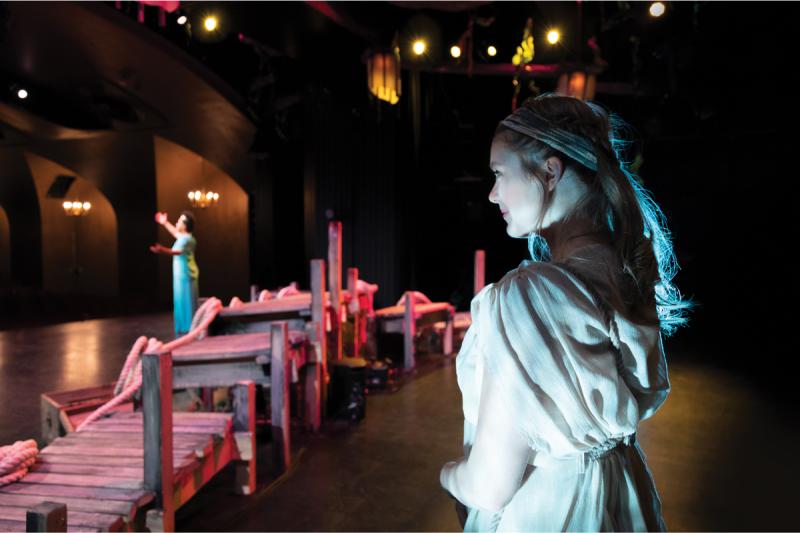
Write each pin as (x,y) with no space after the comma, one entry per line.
(156,248)
(161,218)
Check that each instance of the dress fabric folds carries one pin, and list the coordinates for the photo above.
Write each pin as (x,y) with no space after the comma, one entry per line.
(184,283)
(576,376)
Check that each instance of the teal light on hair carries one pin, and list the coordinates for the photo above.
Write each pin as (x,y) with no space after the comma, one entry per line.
(671,306)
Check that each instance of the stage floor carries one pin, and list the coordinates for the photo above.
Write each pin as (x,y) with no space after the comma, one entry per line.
(721,451)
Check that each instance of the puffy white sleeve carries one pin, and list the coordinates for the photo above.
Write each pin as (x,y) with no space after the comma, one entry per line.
(546,345)
(493,470)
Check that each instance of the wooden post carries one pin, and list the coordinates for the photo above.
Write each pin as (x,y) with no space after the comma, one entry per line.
(316,371)
(355,309)
(46,516)
(479,271)
(157,414)
(409,329)
(335,284)
(244,427)
(447,341)
(253,293)
(279,385)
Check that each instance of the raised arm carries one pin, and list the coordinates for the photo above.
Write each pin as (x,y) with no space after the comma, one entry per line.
(490,477)
(162,219)
(160,249)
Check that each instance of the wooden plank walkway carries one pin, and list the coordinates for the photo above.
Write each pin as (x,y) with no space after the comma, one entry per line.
(99,473)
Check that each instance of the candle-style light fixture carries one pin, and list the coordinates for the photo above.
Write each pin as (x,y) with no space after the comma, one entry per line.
(202,198)
(383,74)
(76,208)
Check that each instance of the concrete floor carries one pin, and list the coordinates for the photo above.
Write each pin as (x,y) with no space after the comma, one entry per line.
(722,451)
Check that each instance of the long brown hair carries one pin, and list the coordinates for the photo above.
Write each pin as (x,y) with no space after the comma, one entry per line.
(616,202)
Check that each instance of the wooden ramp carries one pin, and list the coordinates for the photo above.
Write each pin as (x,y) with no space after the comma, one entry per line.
(99,472)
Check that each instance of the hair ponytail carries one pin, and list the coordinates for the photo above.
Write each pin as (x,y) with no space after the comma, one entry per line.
(617,202)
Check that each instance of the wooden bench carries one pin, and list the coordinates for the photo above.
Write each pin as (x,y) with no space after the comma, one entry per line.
(409,317)
(131,470)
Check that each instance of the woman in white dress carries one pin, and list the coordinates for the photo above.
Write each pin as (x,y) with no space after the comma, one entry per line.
(564,357)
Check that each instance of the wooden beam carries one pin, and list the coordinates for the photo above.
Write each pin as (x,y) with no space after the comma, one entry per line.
(157,413)
(352,288)
(447,341)
(335,284)
(409,329)
(46,516)
(479,271)
(244,427)
(279,389)
(316,369)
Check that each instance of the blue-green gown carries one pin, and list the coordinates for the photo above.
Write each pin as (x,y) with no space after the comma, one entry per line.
(184,283)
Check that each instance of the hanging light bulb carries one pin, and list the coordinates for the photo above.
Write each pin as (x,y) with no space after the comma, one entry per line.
(455,51)
(657,9)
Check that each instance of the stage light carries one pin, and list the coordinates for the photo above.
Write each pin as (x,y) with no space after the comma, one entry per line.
(553,36)
(492,51)
(455,51)
(67,206)
(87,206)
(419,47)
(657,9)
(210,23)
(22,94)
(182,20)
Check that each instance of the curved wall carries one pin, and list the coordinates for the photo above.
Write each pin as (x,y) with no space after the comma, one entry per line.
(79,254)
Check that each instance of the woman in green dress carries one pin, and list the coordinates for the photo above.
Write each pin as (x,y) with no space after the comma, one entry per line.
(184,268)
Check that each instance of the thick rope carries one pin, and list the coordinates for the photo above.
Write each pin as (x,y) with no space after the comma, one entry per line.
(130,379)
(15,460)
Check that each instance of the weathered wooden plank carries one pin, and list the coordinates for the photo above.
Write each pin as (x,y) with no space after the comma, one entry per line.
(103,522)
(119,462)
(157,375)
(177,416)
(129,472)
(398,311)
(409,328)
(96,451)
(192,442)
(82,459)
(125,509)
(127,439)
(353,308)
(136,497)
(316,378)
(189,439)
(280,397)
(244,426)
(133,423)
(245,345)
(335,286)
(79,480)
(203,430)
(16,526)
